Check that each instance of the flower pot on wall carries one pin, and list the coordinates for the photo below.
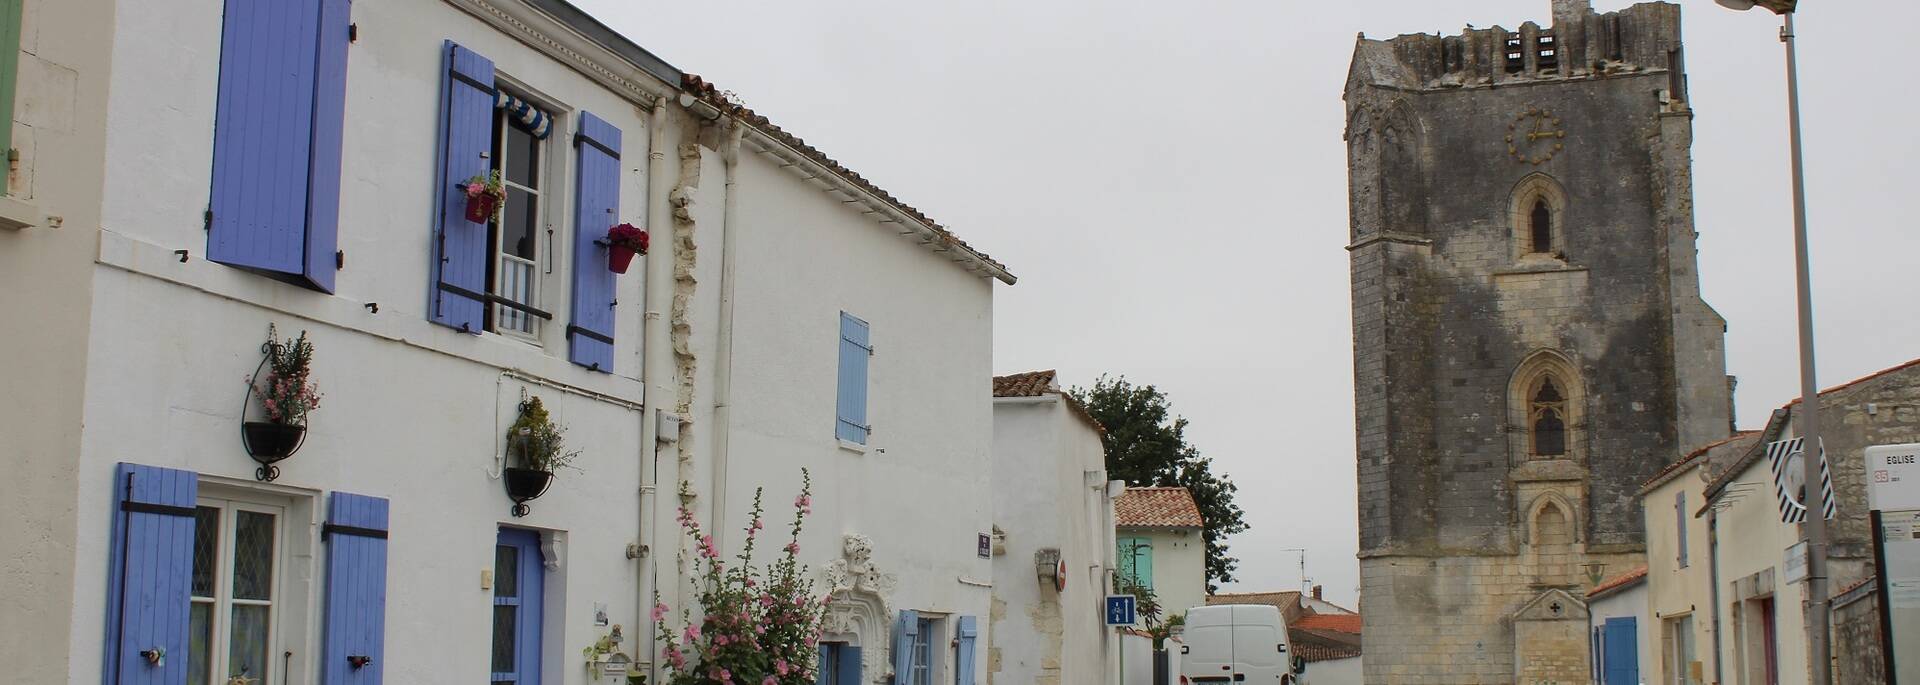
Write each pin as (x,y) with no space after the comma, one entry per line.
(480,207)
(619,258)
(268,443)
(525,485)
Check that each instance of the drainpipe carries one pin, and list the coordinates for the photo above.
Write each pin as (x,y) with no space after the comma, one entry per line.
(653,357)
(1713,577)
(723,352)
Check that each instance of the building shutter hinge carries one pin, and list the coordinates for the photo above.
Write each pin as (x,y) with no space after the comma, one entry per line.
(353,32)
(339,259)
(206,221)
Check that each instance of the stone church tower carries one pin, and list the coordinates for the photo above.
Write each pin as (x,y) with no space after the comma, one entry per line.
(1529,340)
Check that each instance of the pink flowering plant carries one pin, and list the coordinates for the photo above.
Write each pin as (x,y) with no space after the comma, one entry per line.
(759,625)
(287,394)
(488,184)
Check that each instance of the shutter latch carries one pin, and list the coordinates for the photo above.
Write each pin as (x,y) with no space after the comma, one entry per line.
(339,259)
(206,221)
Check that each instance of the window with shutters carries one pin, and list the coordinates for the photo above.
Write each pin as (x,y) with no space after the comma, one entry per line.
(923,653)
(1135,557)
(236,590)
(856,352)
(519,238)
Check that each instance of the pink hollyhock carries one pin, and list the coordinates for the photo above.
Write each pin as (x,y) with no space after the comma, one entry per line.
(769,680)
(780,665)
(793,548)
(693,633)
(659,611)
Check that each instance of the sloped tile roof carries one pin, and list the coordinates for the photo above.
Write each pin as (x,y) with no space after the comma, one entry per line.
(1157,507)
(1029,384)
(1314,653)
(707,92)
(1618,582)
(1339,623)
(1676,467)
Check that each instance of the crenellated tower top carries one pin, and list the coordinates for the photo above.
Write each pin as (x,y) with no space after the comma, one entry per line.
(1580,43)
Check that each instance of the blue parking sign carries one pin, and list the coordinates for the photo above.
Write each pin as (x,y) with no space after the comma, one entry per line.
(1120,610)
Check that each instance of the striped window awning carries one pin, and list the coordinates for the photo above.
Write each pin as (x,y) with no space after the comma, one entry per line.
(525,114)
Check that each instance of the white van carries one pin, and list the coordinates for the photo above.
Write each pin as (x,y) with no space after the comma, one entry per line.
(1238,643)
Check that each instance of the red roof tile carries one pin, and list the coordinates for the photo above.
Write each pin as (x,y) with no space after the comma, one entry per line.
(1029,384)
(1318,653)
(1339,623)
(1619,581)
(1158,507)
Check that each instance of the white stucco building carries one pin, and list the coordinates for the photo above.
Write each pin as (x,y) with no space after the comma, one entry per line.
(291,167)
(1618,621)
(1053,520)
(1158,544)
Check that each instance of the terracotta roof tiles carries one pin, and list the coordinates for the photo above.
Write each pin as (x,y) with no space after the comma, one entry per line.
(1029,384)
(1339,623)
(1157,507)
(1620,581)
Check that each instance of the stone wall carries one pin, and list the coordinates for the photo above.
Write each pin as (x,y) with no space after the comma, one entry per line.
(1858,658)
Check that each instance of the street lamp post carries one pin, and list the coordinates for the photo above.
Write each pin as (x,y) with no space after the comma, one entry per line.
(1818,605)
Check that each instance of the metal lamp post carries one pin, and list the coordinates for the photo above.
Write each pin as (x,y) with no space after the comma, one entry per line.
(1818,604)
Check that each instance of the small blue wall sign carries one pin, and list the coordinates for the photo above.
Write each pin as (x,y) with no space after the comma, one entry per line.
(1120,610)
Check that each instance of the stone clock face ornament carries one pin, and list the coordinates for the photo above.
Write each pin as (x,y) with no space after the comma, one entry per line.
(1535,137)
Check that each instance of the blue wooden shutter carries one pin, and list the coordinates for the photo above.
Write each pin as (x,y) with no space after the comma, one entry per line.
(904,630)
(1680,523)
(525,596)
(276,138)
(849,660)
(466,137)
(855,353)
(356,603)
(150,574)
(596,209)
(967,632)
(1622,664)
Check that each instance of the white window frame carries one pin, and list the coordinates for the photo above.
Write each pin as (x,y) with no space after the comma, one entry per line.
(544,263)
(219,630)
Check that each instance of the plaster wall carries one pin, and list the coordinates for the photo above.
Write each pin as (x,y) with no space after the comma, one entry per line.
(412,412)
(1671,589)
(1335,672)
(57,124)
(1752,558)
(1179,567)
(1043,500)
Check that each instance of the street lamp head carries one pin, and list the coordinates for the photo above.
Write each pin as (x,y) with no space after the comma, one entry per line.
(1776,6)
(1736,5)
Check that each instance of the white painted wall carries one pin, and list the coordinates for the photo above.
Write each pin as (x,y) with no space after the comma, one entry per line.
(1333,672)
(1179,567)
(1630,602)
(1754,540)
(1673,590)
(1049,492)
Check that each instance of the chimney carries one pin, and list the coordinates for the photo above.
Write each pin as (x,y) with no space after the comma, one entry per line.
(1316,593)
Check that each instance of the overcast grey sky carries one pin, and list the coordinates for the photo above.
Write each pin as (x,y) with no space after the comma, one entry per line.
(1168,181)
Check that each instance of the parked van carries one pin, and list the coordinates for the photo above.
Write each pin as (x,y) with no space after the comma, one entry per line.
(1238,643)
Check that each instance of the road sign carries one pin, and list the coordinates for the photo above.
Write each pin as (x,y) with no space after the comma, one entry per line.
(1120,610)
(1893,477)
(1789,487)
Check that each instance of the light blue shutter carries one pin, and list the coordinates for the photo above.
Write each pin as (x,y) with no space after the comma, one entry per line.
(276,140)
(849,666)
(356,601)
(855,353)
(967,633)
(904,630)
(150,574)
(596,209)
(466,136)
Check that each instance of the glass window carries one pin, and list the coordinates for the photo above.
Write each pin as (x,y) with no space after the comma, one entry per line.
(236,552)
(923,654)
(1541,227)
(516,234)
(1136,561)
(1549,412)
(518,581)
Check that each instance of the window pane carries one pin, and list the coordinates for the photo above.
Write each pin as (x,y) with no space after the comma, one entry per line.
(503,631)
(506,571)
(523,155)
(247,655)
(199,642)
(206,544)
(518,222)
(253,555)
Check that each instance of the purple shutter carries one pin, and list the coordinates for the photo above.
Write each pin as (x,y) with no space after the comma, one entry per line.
(356,603)
(596,209)
(276,138)
(150,575)
(466,136)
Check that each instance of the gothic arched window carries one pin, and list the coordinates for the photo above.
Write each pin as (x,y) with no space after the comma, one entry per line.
(1540,226)
(1547,420)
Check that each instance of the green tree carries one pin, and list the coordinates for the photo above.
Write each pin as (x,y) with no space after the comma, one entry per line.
(1146,445)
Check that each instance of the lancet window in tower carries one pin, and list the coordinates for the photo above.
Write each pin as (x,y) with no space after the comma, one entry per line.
(1540,228)
(1548,420)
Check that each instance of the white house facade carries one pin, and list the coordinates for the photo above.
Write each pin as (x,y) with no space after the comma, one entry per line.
(1159,546)
(273,170)
(1053,520)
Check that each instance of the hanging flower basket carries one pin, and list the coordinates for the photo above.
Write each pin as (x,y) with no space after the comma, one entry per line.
(623,242)
(286,396)
(534,445)
(485,194)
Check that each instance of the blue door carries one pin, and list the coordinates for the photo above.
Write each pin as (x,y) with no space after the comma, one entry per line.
(519,577)
(1622,661)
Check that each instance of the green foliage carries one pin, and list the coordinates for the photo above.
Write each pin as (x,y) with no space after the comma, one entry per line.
(1147,446)
(539,443)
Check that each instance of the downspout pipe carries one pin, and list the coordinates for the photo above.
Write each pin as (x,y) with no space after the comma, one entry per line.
(723,339)
(1713,577)
(653,355)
